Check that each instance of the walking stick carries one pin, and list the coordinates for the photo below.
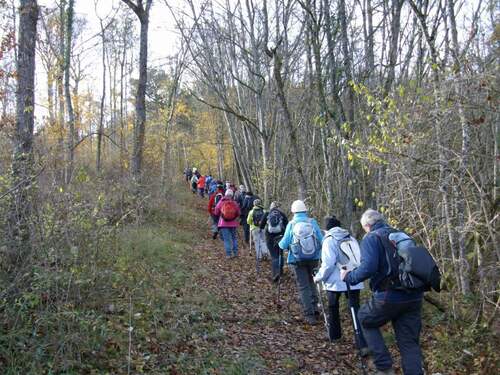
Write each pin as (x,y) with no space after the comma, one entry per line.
(322,306)
(280,260)
(356,327)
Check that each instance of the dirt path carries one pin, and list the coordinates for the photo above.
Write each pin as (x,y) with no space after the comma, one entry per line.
(252,322)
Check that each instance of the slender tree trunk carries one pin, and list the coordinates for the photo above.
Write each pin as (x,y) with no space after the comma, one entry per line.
(140,101)
(69,105)
(100,131)
(140,104)
(22,162)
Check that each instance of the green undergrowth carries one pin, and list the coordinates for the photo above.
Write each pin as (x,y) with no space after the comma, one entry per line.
(139,307)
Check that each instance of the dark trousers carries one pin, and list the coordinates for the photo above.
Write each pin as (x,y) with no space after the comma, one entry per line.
(246,230)
(406,319)
(272,241)
(335,331)
(304,272)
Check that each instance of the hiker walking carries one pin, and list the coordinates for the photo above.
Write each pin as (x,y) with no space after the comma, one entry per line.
(303,237)
(228,211)
(201,186)
(212,203)
(239,196)
(254,219)
(339,250)
(194,181)
(246,206)
(403,308)
(274,224)
(188,173)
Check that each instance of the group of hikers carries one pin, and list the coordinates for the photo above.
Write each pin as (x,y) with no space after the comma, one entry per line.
(334,261)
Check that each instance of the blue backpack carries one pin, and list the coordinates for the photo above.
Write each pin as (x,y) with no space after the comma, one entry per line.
(305,245)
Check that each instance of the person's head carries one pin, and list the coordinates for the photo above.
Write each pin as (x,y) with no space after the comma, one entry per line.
(332,222)
(298,206)
(257,203)
(242,188)
(369,218)
(195,170)
(228,184)
(229,193)
(274,204)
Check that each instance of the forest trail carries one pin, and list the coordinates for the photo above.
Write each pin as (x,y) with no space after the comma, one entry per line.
(252,324)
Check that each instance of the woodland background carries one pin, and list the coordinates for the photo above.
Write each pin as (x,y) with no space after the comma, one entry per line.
(389,104)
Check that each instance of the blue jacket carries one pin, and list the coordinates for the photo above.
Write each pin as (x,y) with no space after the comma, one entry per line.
(374,267)
(288,236)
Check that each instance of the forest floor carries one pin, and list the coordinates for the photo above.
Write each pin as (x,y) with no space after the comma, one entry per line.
(163,299)
(222,317)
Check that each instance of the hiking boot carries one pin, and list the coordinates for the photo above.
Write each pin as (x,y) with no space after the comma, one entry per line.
(276,278)
(365,352)
(388,371)
(311,320)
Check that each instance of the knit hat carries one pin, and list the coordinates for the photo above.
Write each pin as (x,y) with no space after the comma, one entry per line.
(332,222)
(229,193)
(257,203)
(298,206)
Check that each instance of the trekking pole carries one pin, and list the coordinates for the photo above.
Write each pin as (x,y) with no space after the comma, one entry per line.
(357,333)
(280,260)
(257,256)
(322,306)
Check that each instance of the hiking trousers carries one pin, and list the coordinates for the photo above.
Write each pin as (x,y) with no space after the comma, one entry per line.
(246,230)
(308,294)
(335,329)
(406,319)
(228,236)
(260,243)
(272,241)
(215,221)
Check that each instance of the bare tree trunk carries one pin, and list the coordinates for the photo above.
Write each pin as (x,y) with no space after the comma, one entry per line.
(22,162)
(394,46)
(140,100)
(100,131)
(67,92)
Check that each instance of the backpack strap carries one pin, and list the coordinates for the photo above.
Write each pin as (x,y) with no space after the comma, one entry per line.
(391,280)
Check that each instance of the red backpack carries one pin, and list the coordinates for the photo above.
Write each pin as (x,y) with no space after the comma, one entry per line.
(229,210)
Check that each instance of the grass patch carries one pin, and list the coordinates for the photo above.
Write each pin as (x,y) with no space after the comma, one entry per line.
(140,307)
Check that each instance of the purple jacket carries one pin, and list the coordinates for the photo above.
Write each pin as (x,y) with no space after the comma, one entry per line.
(223,223)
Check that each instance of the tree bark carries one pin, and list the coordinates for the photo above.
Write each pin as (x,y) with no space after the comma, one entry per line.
(22,162)
(140,100)
(67,92)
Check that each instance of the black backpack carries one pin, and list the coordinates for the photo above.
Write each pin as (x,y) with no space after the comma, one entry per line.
(410,268)
(258,214)
(247,204)
(275,222)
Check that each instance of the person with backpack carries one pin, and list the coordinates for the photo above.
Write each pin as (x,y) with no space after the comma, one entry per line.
(212,203)
(303,238)
(254,219)
(201,186)
(239,196)
(246,206)
(188,173)
(208,181)
(274,223)
(194,182)
(389,301)
(339,249)
(228,212)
